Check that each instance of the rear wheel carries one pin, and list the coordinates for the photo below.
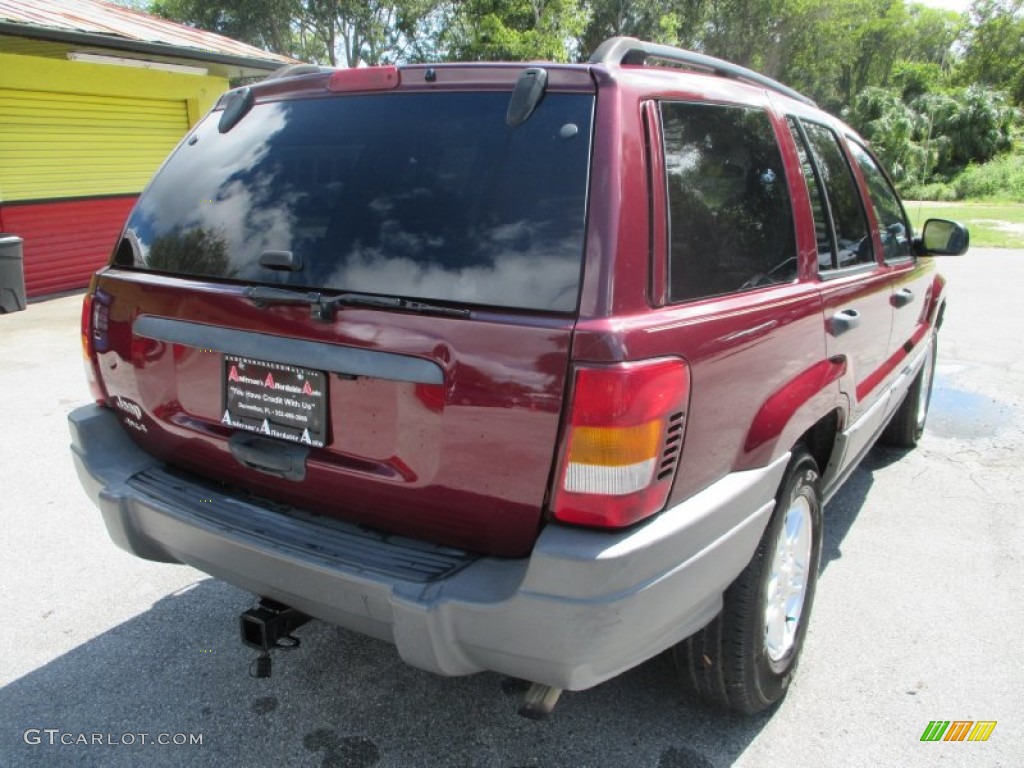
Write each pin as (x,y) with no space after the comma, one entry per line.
(745,658)
(907,424)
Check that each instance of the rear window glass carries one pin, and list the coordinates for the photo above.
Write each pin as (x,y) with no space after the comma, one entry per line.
(428,196)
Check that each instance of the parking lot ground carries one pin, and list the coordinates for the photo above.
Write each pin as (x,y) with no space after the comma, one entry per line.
(918,615)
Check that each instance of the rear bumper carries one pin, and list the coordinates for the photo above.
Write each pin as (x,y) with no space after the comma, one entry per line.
(584,607)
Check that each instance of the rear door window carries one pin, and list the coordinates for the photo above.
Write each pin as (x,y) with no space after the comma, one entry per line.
(730,216)
(823,233)
(852,238)
(428,196)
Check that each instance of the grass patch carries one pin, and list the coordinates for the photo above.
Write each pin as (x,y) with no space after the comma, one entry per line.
(1001,177)
(992,225)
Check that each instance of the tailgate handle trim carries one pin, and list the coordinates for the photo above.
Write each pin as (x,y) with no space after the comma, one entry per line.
(315,355)
(271,457)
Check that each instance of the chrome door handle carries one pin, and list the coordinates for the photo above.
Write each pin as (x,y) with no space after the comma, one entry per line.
(902,297)
(843,321)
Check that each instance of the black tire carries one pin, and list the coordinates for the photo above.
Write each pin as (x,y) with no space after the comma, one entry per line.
(731,663)
(907,425)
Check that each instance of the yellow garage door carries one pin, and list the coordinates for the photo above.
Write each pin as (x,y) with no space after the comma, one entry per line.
(60,145)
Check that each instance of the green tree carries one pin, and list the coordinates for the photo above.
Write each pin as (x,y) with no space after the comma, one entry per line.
(346,32)
(936,134)
(651,20)
(273,25)
(513,30)
(914,78)
(195,251)
(834,49)
(893,129)
(995,47)
(373,32)
(745,32)
(970,125)
(931,34)
(877,41)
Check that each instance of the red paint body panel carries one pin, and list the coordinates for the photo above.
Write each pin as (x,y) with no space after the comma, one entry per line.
(467,465)
(779,410)
(883,372)
(740,349)
(471,462)
(65,241)
(866,346)
(917,277)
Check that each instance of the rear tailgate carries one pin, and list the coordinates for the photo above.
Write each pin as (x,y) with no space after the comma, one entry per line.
(439,423)
(463,461)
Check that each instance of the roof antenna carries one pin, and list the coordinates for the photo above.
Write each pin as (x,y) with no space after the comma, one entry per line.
(527,95)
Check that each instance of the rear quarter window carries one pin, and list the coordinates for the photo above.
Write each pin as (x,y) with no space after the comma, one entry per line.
(730,215)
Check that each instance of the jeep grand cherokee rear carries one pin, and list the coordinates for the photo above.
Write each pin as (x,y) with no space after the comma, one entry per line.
(402,350)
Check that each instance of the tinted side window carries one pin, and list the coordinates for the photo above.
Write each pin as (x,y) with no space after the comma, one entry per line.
(892,221)
(819,205)
(730,216)
(853,240)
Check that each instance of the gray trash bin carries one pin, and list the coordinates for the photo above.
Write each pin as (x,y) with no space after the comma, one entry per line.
(12,274)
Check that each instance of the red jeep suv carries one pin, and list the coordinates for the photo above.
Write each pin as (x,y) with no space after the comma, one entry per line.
(541,369)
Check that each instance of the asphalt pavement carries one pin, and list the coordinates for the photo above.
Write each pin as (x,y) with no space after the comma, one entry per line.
(109,660)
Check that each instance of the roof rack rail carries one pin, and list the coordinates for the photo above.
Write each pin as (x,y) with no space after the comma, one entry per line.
(630,50)
(294,70)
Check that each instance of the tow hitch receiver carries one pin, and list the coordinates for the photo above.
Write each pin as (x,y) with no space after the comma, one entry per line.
(268,626)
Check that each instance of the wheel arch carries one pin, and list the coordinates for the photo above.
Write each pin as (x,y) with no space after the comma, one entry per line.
(937,311)
(820,439)
(809,408)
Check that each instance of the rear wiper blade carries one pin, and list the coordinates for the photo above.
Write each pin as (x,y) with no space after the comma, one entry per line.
(262,295)
(322,307)
(391,302)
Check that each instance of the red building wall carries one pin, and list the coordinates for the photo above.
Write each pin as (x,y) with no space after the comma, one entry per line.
(65,240)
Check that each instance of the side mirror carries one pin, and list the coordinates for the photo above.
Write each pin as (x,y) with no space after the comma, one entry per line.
(941,237)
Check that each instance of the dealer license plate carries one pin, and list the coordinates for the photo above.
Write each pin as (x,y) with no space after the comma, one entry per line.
(275,400)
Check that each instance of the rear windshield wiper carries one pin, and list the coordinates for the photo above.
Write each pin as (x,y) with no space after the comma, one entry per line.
(322,307)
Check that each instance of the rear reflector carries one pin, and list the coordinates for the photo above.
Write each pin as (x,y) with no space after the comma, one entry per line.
(87,326)
(622,442)
(365,79)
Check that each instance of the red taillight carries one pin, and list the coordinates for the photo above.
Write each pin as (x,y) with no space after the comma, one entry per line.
(365,79)
(622,442)
(88,350)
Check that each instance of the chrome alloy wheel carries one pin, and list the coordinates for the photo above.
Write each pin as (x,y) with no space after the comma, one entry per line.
(787,582)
